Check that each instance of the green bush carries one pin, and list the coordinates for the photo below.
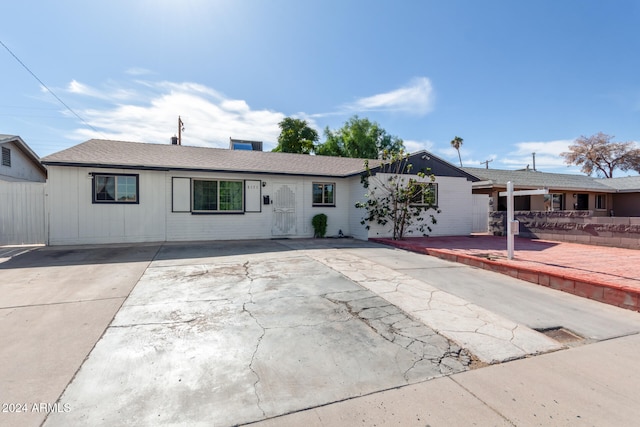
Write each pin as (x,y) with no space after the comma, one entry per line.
(319,223)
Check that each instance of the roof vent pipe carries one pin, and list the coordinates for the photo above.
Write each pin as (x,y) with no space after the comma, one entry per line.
(174,140)
(534,161)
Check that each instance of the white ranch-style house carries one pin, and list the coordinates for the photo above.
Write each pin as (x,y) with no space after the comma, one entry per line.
(103,191)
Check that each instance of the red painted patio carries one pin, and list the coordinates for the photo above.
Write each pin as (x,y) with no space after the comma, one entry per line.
(606,274)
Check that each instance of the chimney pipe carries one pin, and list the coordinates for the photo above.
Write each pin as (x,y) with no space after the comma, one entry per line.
(534,161)
(174,140)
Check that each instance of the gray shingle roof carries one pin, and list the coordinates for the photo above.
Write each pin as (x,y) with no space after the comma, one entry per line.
(624,184)
(136,155)
(532,180)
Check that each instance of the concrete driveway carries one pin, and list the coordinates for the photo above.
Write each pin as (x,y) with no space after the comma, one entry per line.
(225,333)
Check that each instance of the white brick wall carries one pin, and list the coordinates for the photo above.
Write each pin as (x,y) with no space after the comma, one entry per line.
(455,217)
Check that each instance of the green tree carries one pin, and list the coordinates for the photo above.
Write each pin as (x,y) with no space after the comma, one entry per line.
(457,143)
(397,197)
(296,137)
(597,153)
(359,138)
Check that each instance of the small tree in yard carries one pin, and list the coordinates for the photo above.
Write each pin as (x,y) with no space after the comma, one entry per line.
(397,198)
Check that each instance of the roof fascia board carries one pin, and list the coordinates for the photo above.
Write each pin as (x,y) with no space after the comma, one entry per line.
(166,169)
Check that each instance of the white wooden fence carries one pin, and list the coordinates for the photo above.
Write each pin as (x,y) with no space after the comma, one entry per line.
(22,213)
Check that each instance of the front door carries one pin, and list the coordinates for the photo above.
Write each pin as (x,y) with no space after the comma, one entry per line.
(284,211)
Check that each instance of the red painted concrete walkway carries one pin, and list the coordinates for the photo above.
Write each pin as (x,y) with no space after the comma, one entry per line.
(609,275)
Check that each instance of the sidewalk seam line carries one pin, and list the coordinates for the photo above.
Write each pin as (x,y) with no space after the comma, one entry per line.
(481,400)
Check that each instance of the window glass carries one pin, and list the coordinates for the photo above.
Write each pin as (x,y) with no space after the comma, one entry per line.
(425,194)
(323,193)
(205,195)
(126,189)
(218,196)
(601,201)
(328,193)
(105,188)
(115,188)
(317,193)
(230,196)
(554,202)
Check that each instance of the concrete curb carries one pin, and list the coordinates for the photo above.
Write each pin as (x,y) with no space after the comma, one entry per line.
(608,293)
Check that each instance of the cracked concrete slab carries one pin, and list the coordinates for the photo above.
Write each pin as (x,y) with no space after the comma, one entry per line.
(249,337)
(490,337)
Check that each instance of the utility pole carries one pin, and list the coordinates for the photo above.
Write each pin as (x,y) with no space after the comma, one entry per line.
(180,130)
(486,163)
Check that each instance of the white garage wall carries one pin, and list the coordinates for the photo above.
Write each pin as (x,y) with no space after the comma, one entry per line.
(74,219)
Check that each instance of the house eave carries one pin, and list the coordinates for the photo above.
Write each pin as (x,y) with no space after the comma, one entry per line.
(198,170)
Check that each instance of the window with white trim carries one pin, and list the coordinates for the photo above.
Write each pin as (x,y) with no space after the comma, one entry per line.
(211,196)
(425,194)
(115,188)
(324,194)
(601,202)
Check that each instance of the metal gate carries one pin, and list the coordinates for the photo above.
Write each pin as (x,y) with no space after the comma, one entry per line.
(284,211)
(22,213)
(480,213)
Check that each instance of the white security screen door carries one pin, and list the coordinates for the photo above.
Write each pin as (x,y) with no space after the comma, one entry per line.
(284,211)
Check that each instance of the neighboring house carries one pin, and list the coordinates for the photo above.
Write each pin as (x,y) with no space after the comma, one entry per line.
(113,191)
(22,201)
(18,162)
(601,196)
(626,199)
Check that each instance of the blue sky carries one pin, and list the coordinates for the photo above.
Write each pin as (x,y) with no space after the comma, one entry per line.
(509,77)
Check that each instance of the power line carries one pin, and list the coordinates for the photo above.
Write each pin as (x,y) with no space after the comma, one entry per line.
(47,88)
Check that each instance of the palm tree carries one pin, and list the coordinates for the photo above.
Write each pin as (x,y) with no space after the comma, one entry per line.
(456,143)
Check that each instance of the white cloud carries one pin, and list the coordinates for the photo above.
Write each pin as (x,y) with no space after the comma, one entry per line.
(147,111)
(111,93)
(553,148)
(209,117)
(412,146)
(547,156)
(415,98)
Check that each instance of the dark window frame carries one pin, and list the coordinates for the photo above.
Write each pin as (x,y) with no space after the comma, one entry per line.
(323,203)
(217,210)
(115,201)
